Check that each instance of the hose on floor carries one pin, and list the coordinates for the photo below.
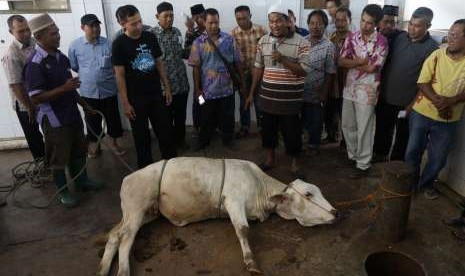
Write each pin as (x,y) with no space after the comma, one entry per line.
(37,175)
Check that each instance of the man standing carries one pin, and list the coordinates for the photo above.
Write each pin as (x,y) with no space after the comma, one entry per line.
(333,106)
(332,6)
(246,35)
(51,86)
(90,56)
(13,63)
(282,62)
(399,84)
(438,109)
(319,78)
(388,25)
(294,28)
(139,68)
(364,53)
(213,81)
(192,33)
(170,41)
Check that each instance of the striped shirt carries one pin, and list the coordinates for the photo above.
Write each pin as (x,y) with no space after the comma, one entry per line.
(282,90)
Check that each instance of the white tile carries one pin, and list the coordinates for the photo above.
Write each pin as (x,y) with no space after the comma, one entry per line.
(6,131)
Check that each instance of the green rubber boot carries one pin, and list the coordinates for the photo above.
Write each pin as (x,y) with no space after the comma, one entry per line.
(83,182)
(66,198)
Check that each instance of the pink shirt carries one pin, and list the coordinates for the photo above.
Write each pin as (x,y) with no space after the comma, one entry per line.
(362,87)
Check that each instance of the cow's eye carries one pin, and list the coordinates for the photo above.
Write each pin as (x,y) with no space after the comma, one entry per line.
(308,194)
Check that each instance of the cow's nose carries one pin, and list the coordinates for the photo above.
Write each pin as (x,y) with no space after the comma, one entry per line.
(336,214)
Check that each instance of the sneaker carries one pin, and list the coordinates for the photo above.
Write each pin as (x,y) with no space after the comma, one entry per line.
(67,199)
(431,193)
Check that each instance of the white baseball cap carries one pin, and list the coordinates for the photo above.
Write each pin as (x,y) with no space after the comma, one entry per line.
(278,8)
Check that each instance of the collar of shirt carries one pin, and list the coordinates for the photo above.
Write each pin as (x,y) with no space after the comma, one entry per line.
(85,41)
(371,38)
(21,45)
(220,36)
(314,43)
(423,39)
(251,30)
(159,29)
(44,53)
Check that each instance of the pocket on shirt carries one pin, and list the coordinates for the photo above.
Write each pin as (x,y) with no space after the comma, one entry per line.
(105,63)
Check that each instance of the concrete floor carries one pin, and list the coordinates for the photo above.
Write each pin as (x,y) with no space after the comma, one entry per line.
(60,241)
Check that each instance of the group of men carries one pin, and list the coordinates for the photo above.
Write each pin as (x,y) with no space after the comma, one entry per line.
(364,83)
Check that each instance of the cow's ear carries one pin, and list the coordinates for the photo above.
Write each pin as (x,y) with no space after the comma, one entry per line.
(280,199)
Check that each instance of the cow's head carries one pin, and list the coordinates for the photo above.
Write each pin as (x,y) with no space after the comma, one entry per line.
(305,203)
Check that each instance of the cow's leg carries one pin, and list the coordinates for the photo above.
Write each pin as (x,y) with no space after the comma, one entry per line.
(110,250)
(239,221)
(128,230)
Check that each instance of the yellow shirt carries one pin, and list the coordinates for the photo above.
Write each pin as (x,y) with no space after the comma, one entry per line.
(447,76)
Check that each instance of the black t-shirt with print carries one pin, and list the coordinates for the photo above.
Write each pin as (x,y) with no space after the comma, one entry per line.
(138,56)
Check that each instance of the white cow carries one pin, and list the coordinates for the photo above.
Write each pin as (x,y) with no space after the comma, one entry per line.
(190,189)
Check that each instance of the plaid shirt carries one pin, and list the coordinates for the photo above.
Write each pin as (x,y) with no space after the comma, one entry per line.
(247,42)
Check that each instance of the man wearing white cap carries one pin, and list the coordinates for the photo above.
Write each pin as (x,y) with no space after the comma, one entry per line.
(51,86)
(281,66)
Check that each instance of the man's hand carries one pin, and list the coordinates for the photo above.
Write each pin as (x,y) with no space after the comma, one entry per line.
(445,102)
(243,90)
(190,24)
(361,61)
(31,113)
(248,102)
(71,84)
(89,110)
(168,95)
(197,93)
(277,56)
(129,111)
(445,113)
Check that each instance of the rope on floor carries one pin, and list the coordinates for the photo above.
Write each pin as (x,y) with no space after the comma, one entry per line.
(36,174)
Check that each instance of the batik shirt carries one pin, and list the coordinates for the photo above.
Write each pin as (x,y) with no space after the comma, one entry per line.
(170,42)
(362,87)
(215,80)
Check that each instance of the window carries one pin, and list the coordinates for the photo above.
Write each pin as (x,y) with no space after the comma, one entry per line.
(34,6)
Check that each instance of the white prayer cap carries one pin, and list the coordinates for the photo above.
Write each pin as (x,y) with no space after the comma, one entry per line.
(278,8)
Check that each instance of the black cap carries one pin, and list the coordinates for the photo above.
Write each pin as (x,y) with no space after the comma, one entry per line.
(391,10)
(89,19)
(197,9)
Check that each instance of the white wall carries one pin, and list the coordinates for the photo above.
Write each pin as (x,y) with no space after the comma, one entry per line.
(445,11)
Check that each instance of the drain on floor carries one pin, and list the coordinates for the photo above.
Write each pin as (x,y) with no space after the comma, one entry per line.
(392,264)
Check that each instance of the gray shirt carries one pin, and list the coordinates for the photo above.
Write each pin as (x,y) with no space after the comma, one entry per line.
(13,63)
(399,81)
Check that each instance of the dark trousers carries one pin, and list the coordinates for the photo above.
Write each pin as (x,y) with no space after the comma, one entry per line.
(178,117)
(290,128)
(313,121)
(34,137)
(157,113)
(196,112)
(386,121)
(109,108)
(332,118)
(217,112)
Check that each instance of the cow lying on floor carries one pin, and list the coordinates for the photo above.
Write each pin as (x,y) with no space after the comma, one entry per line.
(190,189)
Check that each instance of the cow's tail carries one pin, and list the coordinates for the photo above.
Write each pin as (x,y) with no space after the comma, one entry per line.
(110,249)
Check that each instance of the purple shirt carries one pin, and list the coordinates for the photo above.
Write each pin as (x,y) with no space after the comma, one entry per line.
(44,72)
(215,80)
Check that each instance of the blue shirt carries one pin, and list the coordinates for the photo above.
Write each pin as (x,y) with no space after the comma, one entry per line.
(44,72)
(93,63)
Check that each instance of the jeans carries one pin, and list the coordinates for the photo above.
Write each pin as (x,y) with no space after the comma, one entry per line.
(434,136)
(313,115)
(245,113)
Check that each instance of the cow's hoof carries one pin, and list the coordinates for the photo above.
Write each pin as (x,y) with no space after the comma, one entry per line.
(253,269)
